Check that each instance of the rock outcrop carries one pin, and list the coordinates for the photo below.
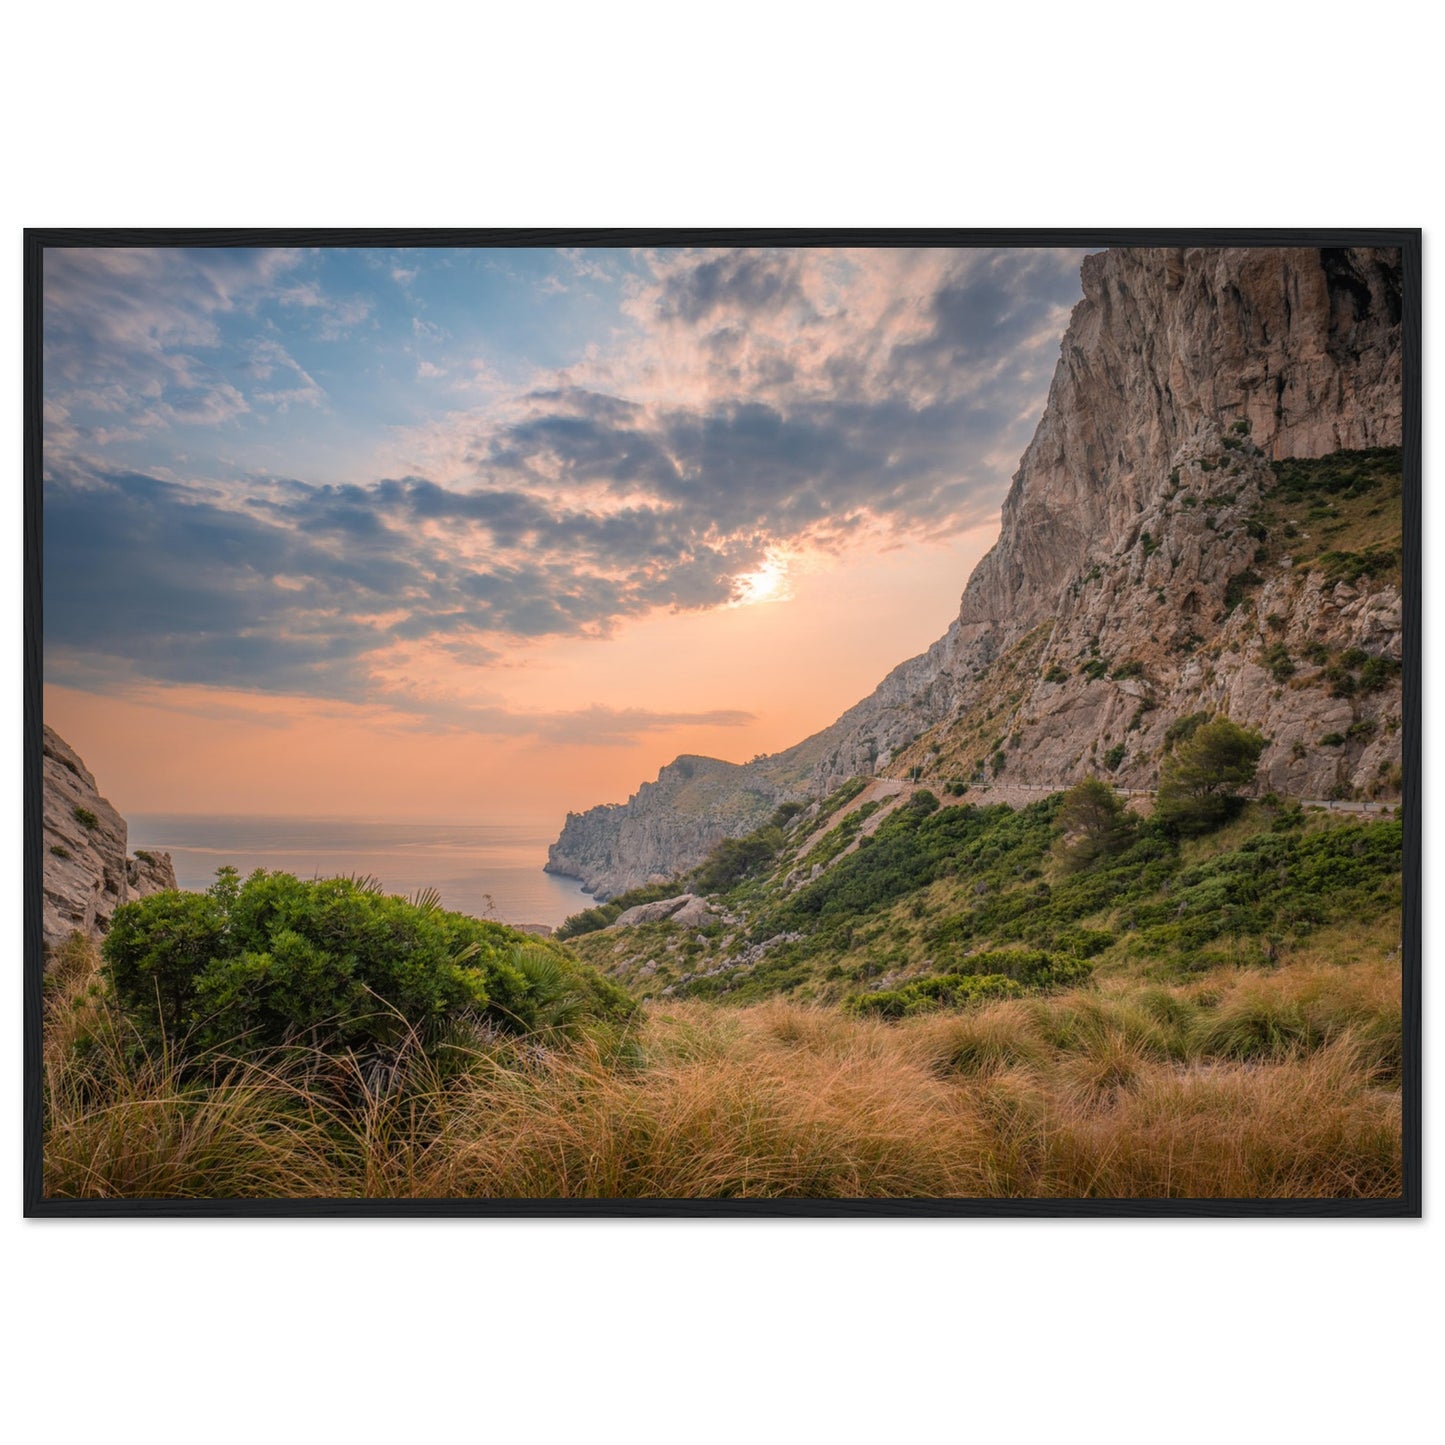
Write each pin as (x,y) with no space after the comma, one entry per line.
(1143,570)
(86,873)
(687,909)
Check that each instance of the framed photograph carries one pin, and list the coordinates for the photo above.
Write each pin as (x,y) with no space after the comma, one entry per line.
(793,723)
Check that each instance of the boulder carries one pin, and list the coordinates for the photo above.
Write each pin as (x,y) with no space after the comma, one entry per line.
(687,909)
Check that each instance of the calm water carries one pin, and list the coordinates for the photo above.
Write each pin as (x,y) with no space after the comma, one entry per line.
(490,870)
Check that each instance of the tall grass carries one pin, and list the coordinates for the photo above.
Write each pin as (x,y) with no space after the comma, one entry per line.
(1245,1085)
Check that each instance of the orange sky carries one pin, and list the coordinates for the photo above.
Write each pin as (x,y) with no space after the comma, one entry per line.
(794,661)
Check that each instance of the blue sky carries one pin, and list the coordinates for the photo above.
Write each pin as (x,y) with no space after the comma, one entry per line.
(295,361)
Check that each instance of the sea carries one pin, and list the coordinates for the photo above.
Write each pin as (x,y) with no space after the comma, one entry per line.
(488,870)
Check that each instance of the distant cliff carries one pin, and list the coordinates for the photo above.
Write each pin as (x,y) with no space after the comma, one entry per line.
(86,873)
(665,825)
(1157,556)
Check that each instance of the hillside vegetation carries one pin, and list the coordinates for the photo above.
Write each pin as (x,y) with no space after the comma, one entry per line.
(896,998)
(960,889)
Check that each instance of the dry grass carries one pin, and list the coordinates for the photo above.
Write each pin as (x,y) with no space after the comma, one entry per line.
(1244,1085)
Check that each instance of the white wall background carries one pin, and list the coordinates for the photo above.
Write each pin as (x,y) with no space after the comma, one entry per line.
(745,114)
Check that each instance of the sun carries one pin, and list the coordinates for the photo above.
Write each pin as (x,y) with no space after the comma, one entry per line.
(767,584)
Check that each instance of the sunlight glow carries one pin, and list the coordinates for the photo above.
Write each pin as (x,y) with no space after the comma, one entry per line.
(768,584)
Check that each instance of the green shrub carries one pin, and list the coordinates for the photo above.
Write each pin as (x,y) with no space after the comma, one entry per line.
(1082,942)
(1376,672)
(1276,661)
(1342,683)
(1003,973)
(1349,567)
(59,850)
(737,858)
(85,818)
(1114,756)
(604,915)
(1343,473)
(1238,588)
(933,994)
(334,965)
(1333,740)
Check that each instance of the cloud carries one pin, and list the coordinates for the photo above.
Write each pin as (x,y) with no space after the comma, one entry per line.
(267,357)
(146,339)
(746,403)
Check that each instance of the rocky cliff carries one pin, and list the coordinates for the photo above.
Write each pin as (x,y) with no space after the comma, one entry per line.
(668,824)
(86,873)
(1207,519)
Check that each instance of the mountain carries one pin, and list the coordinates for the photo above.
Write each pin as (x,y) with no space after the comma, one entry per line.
(86,873)
(1206,520)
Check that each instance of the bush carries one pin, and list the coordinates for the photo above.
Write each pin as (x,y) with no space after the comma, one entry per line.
(1007,973)
(334,965)
(1276,661)
(931,994)
(85,818)
(1238,588)
(1376,672)
(603,915)
(737,858)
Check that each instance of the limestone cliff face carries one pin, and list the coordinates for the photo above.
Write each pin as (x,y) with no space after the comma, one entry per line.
(86,874)
(1143,569)
(665,826)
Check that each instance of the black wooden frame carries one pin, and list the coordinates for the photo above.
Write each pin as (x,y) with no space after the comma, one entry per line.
(1408,1205)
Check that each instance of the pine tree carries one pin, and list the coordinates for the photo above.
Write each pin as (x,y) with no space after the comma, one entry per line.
(1200,782)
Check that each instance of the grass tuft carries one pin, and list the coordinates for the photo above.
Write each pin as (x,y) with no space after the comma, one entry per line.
(1244,1086)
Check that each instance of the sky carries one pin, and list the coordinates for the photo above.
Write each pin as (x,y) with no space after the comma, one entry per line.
(451,535)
